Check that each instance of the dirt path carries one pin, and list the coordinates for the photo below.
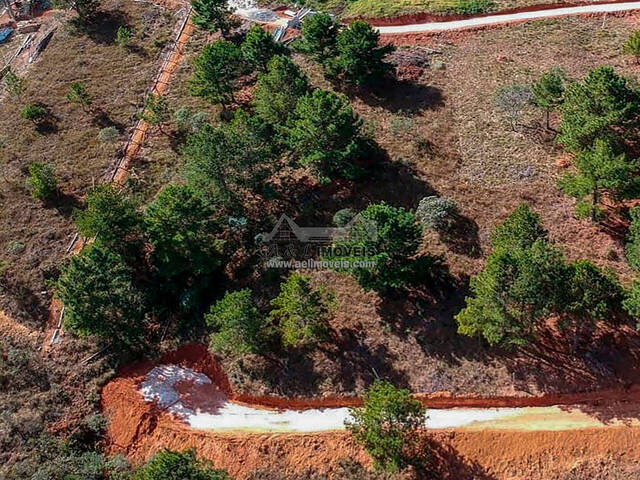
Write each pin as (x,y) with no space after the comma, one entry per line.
(507,18)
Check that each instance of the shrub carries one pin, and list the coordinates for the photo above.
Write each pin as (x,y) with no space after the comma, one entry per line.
(172,465)
(512,100)
(436,212)
(79,94)
(632,45)
(34,113)
(189,121)
(387,425)
(109,135)
(236,323)
(15,84)
(632,302)
(472,7)
(124,36)
(343,217)
(42,181)
(300,311)
(156,111)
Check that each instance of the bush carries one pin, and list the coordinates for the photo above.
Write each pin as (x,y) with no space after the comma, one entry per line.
(42,181)
(300,311)
(34,113)
(236,322)
(79,94)
(512,100)
(632,45)
(631,303)
(172,465)
(471,7)
(15,84)
(124,36)
(436,212)
(387,425)
(343,217)
(109,135)
(189,121)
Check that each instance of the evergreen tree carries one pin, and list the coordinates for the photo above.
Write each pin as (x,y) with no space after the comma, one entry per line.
(548,91)
(259,47)
(318,37)
(603,105)
(216,71)
(212,15)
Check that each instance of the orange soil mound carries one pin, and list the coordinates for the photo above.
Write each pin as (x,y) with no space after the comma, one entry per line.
(138,429)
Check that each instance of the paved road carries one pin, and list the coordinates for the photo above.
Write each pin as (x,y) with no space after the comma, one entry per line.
(508,18)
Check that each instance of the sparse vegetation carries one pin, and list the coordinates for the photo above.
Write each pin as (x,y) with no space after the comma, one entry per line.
(42,181)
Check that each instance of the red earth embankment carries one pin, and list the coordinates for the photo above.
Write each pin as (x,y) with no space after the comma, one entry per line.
(139,429)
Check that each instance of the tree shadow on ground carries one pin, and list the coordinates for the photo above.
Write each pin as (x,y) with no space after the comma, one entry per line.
(447,464)
(462,237)
(102,119)
(103,28)
(402,96)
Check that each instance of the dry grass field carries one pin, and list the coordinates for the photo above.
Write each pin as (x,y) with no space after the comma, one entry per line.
(33,237)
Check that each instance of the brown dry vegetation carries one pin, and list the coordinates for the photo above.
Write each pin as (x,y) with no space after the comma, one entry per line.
(441,134)
(33,236)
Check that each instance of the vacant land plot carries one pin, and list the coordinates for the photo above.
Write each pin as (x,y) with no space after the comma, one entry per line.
(33,236)
(441,134)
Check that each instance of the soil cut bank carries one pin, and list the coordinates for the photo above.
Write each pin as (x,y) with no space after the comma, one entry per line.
(503,451)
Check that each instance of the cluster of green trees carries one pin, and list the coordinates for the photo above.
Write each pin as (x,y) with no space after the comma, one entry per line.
(317,126)
(526,280)
(140,263)
(298,317)
(352,54)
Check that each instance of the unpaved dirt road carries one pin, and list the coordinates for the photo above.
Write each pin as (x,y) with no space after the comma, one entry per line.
(508,18)
(195,400)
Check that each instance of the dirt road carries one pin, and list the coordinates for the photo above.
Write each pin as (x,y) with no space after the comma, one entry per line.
(508,18)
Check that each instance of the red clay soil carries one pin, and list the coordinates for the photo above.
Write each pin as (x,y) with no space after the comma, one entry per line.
(198,358)
(138,429)
(431,17)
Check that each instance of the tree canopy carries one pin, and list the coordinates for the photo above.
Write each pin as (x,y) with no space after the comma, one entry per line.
(236,323)
(326,134)
(172,465)
(318,37)
(386,425)
(212,15)
(278,90)
(259,47)
(183,232)
(97,290)
(216,71)
(548,91)
(603,105)
(360,57)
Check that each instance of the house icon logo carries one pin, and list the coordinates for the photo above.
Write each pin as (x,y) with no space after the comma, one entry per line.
(288,231)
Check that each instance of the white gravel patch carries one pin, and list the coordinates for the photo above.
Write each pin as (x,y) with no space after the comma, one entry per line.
(159,387)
